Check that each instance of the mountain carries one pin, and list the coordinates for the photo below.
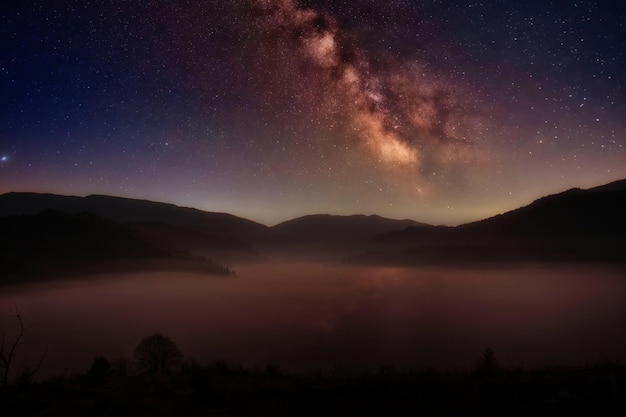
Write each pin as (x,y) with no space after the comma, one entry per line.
(132,210)
(619,185)
(220,247)
(220,236)
(326,238)
(594,213)
(54,243)
(575,225)
(325,227)
(58,236)
(168,220)
(50,241)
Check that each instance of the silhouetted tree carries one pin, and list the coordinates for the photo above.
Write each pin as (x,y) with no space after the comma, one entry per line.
(9,350)
(157,354)
(25,378)
(488,363)
(100,370)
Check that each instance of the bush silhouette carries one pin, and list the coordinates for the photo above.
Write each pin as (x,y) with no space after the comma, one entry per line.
(157,354)
(100,370)
(488,364)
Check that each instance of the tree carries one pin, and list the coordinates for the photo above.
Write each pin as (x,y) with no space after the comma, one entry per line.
(157,354)
(488,363)
(100,370)
(9,350)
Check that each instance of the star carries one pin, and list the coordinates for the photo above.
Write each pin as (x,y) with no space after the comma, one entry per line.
(275,108)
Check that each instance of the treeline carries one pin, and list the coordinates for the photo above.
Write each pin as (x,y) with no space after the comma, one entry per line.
(159,380)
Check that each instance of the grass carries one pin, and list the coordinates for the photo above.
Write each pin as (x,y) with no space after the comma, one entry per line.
(224,389)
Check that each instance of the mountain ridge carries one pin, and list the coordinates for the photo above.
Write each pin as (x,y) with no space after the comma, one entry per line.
(55,244)
(573,224)
(338,227)
(131,210)
(122,209)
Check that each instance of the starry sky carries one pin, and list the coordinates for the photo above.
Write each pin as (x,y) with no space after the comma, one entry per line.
(439,111)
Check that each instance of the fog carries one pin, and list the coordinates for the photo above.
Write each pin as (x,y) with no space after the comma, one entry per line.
(304,316)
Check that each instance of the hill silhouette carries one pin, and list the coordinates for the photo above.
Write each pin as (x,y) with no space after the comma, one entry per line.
(198,242)
(337,228)
(619,185)
(325,237)
(217,235)
(574,213)
(575,225)
(54,243)
(54,235)
(125,210)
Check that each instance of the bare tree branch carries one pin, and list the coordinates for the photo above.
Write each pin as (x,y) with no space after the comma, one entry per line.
(10,348)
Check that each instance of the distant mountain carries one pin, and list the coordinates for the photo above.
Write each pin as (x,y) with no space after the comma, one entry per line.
(198,242)
(167,221)
(131,210)
(168,235)
(326,227)
(575,225)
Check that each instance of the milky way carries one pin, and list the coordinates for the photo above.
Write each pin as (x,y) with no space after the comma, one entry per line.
(271,109)
(400,114)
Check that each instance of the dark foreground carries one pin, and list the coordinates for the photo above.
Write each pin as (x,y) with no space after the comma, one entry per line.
(223,390)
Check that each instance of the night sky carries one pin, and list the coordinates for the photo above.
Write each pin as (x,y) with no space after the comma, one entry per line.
(439,111)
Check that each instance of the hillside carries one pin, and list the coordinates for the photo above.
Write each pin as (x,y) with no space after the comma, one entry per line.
(54,243)
(337,228)
(572,226)
(575,225)
(221,247)
(574,213)
(124,210)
